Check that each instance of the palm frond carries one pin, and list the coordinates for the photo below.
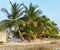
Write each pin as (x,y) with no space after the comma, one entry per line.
(5,24)
(5,11)
(11,3)
(19,5)
(38,12)
(20,9)
(20,14)
(25,7)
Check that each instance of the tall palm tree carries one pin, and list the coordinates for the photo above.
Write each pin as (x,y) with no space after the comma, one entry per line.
(13,18)
(30,16)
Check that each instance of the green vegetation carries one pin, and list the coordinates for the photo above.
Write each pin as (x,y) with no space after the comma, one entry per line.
(40,48)
(56,36)
(28,22)
(53,42)
(1,42)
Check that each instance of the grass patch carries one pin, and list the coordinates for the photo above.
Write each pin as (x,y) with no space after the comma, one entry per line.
(41,48)
(53,42)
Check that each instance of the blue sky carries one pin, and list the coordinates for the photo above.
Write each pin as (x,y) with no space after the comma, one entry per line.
(50,8)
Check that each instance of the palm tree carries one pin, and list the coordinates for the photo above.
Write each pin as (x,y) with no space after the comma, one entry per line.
(54,29)
(13,18)
(47,27)
(30,16)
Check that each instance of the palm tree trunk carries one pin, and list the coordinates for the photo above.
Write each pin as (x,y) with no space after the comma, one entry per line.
(22,38)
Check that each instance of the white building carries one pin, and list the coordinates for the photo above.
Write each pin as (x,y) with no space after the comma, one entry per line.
(3,36)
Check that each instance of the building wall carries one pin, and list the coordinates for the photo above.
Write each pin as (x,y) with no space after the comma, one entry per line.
(3,36)
(59,33)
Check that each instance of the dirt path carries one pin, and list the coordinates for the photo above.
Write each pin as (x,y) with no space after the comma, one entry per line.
(22,45)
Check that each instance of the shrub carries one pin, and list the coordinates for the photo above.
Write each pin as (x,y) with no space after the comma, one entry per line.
(1,42)
(53,42)
(56,36)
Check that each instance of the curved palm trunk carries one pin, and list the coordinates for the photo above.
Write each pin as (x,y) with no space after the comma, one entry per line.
(22,38)
(17,29)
